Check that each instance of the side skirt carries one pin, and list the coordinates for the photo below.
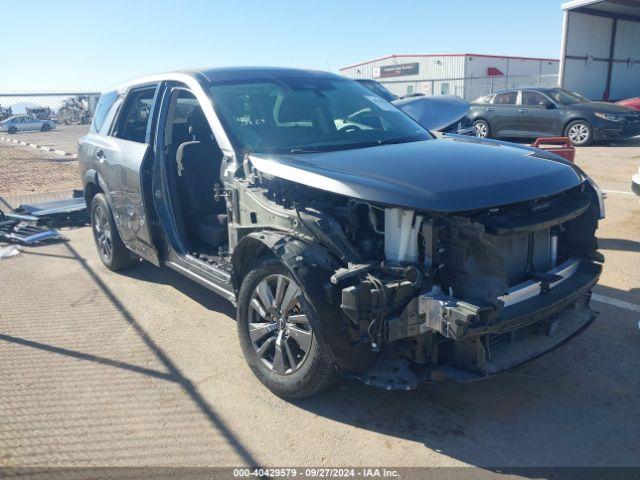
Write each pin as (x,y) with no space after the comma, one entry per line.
(218,281)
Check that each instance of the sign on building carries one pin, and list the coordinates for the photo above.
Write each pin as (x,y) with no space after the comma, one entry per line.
(396,70)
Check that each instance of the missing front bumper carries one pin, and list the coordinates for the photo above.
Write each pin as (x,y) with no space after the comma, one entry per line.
(481,343)
(478,358)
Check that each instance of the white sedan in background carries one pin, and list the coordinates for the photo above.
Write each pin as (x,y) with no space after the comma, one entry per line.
(22,123)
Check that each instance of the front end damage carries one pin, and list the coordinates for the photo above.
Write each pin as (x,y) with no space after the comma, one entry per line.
(468,295)
(407,296)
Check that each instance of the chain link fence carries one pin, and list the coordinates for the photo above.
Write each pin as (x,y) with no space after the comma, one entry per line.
(39,133)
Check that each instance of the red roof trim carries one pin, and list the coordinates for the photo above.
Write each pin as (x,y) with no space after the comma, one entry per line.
(422,55)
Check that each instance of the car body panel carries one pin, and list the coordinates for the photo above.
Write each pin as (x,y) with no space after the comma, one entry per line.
(447,175)
(434,113)
(444,113)
(540,119)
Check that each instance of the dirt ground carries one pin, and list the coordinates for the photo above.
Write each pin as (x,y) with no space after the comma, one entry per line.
(27,170)
(144,368)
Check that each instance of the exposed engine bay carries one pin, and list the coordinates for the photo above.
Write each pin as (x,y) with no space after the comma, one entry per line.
(423,295)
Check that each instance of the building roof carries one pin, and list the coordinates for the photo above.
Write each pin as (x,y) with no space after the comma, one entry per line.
(615,7)
(422,55)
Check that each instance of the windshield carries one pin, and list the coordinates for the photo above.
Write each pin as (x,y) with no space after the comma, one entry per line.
(381,90)
(301,115)
(565,97)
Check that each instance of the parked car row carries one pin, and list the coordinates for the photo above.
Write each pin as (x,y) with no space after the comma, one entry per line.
(23,123)
(551,112)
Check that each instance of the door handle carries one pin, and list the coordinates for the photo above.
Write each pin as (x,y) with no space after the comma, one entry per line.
(101,156)
(490,109)
(522,110)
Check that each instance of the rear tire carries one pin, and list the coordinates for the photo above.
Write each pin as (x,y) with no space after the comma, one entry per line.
(46,127)
(277,340)
(111,248)
(12,130)
(580,132)
(482,129)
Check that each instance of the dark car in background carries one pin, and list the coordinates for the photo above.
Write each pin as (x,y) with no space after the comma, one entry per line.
(552,111)
(441,113)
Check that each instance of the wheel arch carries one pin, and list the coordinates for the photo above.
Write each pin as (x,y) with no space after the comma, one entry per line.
(485,120)
(249,252)
(575,119)
(93,184)
(311,266)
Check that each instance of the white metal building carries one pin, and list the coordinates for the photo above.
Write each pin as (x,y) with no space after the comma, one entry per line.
(467,75)
(600,55)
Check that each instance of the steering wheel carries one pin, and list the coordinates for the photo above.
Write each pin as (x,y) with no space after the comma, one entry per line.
(349,129)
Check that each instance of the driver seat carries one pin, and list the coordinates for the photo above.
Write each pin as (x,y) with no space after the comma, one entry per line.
(199,161)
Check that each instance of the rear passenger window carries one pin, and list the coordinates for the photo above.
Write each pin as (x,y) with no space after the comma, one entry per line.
(102,109)
(135,116)
(508,98)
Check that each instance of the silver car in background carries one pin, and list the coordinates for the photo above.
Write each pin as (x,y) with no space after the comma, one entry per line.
(23,123)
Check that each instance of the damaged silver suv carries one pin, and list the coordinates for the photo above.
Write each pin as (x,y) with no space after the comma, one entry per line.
(351,240)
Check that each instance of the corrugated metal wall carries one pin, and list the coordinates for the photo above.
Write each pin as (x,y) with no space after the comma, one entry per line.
(588,37)
(588,48)
(518,72)
(462,75)
(625,77)
(430,68)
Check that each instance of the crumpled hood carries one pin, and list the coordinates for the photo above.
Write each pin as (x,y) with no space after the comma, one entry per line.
(447,175)
(436,112)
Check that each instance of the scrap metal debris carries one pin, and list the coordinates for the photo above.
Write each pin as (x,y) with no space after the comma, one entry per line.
(57,213)
(23,229)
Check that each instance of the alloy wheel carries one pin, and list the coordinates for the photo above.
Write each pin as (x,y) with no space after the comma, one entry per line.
(578,133)
(481,130)
(278,326)
(102,230)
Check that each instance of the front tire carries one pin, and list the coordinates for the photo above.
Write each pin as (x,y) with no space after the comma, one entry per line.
(482,129)
(580,133)
(46,127)
(276,336)
(111,248)
(12,130)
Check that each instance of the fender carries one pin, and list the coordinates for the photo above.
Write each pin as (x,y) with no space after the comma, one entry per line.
(311,266)
(91,177)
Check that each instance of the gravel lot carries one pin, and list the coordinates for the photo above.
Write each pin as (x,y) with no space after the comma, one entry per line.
(144,368)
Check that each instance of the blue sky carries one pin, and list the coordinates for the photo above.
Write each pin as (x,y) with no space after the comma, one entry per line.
(89,45)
